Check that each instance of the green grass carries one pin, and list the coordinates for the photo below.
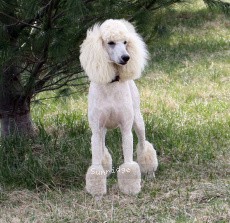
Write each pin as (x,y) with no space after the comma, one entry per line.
(185,101)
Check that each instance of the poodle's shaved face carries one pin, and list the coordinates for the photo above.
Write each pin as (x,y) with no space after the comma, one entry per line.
(117,52)
(115,37)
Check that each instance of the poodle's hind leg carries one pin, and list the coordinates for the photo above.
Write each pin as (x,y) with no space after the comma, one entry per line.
(146,154)
(129,175)
(147,159)
(96,175)
(107,159)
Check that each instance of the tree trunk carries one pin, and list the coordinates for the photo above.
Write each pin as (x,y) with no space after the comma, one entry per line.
(14,98)
(14,105)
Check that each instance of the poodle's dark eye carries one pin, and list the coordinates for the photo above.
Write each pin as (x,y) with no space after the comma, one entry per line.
(111,43)
(125,42)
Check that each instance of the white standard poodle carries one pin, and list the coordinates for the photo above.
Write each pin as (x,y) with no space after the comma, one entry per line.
(113,55)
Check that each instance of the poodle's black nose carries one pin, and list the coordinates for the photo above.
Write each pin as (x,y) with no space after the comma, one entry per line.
(125,58)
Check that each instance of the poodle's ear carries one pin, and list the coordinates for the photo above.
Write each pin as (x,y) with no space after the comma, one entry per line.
(138,52)
(94,58)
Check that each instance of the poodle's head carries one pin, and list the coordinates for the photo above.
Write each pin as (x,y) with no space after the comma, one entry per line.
(111,49)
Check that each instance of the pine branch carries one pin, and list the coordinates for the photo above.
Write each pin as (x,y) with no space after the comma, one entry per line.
(36,71)
(59,96)
(53,73)
(58,86)
(17,21)
(218,5)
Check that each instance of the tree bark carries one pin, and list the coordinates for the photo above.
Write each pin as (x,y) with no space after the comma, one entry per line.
(17,125)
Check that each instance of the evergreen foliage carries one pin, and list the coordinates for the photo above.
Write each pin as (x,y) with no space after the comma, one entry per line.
(219,5)
(42,38)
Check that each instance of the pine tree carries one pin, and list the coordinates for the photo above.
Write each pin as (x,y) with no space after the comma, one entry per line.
(39,47)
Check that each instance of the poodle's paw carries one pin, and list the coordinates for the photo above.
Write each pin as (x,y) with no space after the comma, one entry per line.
(129,178)
(107,162)
(96,181)
(147,159)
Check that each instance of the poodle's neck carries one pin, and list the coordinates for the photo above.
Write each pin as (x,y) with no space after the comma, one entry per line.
(117,74)
(122,73)
(117,78)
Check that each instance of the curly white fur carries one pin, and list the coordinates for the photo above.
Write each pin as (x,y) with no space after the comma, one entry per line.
(109,50)
(129,178)
(95,60)
(147,159)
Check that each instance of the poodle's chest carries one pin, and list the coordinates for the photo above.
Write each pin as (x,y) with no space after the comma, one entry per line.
(112,116)
(110,108)
(111,95)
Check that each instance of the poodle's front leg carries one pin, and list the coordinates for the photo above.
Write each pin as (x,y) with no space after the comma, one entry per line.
(107,159)
(129,175)
(96,176)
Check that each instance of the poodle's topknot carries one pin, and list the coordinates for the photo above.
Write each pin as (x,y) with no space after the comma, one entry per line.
(114,30)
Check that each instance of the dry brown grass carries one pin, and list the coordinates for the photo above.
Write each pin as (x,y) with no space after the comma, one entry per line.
(177,197)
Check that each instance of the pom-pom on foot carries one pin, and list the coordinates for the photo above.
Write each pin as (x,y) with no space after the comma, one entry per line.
(107,162)
(129,178)
(147,159)
(96,181)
